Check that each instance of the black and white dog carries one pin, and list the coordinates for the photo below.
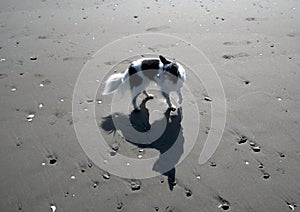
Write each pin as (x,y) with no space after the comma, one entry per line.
(169,75)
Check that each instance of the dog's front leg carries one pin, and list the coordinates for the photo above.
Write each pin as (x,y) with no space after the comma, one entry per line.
(134,104)
(167,97)
(179,93)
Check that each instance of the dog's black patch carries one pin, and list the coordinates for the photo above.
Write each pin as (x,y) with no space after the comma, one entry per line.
(150,64)
(131,70)
(173,69)
(134,80)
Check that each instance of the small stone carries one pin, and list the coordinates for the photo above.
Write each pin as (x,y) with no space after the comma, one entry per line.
(73,177)
(95,184)
(41,105)
(246,82)
(52,161)
(243,139)
(224,206)
(30,117)
(33,58)
(207,98)
(120,205)
(281,155)
(188,193)
(13,89)
(213,164)
(53,208)
(106,176)
(135,186)
(256,148)
(292,206)
(266,176)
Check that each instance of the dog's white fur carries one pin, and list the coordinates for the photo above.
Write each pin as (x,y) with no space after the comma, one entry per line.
(163,78)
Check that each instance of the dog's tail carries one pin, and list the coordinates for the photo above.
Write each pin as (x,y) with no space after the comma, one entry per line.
(113,82)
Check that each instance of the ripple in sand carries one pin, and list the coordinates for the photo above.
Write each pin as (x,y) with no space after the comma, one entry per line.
(2,75)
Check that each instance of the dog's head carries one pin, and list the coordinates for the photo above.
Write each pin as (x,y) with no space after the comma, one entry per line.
(170,66)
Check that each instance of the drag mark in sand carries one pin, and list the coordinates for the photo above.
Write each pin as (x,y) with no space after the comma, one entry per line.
(237,43)
(157,29)
(233,56)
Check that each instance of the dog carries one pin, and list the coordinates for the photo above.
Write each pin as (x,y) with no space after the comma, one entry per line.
(169,75)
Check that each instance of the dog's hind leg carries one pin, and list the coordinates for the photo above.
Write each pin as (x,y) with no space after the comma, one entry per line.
(148,95)
(167,97)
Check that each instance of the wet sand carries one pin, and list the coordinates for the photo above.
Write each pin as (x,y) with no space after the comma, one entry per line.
(253,46)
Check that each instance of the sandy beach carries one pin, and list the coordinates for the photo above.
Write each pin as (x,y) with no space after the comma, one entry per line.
(54,59)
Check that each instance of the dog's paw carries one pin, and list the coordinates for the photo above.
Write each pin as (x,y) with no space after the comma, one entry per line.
(137,109)
(172,108)
(150,96)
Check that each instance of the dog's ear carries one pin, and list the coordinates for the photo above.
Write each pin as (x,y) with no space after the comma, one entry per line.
(164,60)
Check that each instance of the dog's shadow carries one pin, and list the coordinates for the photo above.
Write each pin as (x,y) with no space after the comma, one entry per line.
(134,127)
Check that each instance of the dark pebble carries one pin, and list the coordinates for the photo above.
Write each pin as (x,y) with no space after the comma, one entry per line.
(243,139)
